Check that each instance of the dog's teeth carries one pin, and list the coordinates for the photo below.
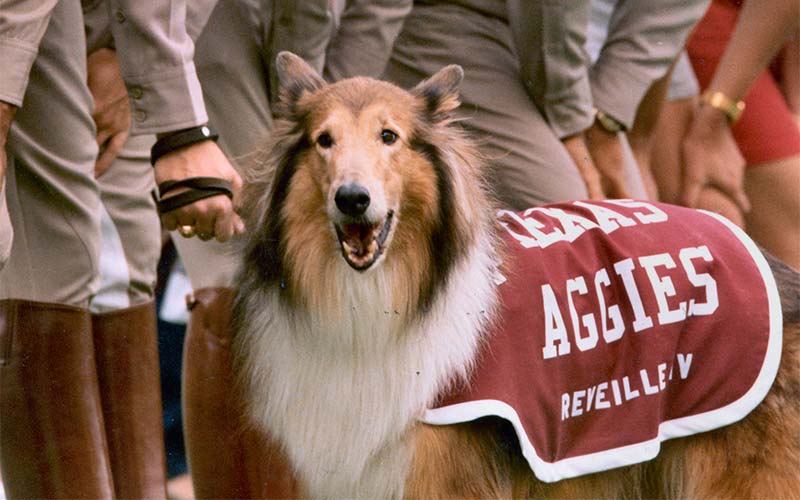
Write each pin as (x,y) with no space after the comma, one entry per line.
(347,247)
(361,242)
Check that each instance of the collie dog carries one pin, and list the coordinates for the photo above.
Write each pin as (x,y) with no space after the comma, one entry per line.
(368,283)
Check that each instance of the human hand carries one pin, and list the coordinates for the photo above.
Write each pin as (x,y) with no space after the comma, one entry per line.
(212,217)
(576,147)
(112,113)
(607,154)
(711,158)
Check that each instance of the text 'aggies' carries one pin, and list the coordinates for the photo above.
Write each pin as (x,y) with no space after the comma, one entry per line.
(585,331)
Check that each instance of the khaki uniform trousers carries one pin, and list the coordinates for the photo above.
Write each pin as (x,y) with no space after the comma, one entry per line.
(54,204)
(81,412)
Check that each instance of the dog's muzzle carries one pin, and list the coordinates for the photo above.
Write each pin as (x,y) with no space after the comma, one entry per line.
(363,242)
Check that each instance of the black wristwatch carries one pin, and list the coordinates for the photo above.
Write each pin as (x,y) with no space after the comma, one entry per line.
(181,138)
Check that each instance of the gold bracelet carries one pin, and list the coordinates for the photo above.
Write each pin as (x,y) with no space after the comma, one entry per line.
(717,100)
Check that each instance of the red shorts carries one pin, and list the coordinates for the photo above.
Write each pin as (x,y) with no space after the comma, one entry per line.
(767,130)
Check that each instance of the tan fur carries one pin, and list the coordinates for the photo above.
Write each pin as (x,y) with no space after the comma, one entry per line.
(755,458)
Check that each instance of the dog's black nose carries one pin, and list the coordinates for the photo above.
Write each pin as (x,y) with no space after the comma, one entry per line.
(352,199)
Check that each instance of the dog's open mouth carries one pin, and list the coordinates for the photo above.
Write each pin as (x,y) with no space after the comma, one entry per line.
(363,242)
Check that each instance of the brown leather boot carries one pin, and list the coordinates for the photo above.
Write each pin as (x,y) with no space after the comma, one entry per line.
(126,353)
(226,461)
(52,442)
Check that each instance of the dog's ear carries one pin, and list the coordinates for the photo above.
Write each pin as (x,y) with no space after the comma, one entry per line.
(440,92)
(295,77)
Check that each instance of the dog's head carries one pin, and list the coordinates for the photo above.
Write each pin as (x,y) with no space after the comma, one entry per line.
(367,173)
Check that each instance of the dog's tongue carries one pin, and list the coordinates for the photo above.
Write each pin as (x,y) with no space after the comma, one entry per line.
(359,238)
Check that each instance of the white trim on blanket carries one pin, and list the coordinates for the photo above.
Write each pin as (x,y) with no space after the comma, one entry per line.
(680,427)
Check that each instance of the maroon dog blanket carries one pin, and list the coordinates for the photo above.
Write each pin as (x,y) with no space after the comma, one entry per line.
(622,324)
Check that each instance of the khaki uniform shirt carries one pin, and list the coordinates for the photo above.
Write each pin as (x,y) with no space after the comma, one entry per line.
(154,42)
(154,48)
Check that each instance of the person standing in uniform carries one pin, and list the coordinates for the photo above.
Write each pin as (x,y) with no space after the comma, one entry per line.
(79,405)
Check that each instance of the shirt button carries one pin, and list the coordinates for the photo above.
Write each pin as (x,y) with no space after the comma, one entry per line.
(119,16)
(136,92)
(140,116)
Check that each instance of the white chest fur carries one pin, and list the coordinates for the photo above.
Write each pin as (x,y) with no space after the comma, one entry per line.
(341,392)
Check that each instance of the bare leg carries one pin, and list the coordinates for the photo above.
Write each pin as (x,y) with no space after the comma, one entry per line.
(774,221)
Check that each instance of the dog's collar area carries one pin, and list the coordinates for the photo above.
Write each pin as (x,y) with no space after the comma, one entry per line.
(362,243)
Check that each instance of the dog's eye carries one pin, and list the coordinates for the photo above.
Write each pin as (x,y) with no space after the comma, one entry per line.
(325,140)
(388,137)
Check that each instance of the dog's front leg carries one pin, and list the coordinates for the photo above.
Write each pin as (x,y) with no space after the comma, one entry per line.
(460,461)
